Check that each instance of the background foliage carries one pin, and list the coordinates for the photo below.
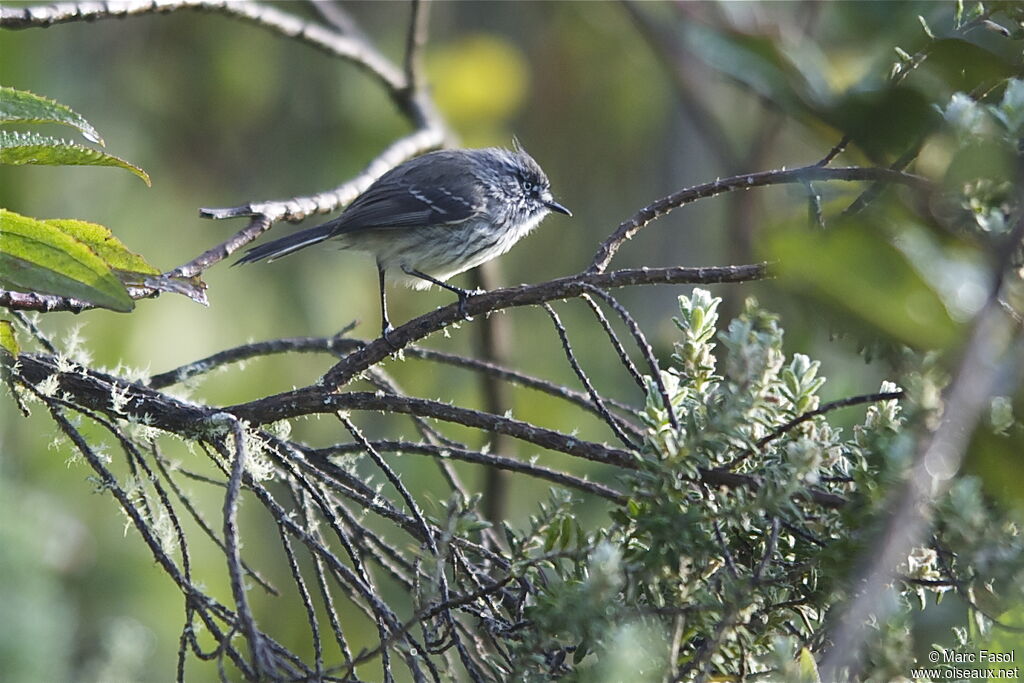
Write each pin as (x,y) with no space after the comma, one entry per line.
(621,104)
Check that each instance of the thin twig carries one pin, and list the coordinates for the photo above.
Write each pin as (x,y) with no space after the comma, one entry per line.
(415,40)
(262,663)
(609,419)
(317,401)
(811,414)
(645,348)
(487,459)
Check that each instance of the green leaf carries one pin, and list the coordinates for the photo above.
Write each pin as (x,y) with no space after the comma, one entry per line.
(21,106)
(103,243)
(566,533)
(550,537)
(757,61)
(1011,110)
(36,257)
(30,148)
(8,341)
(994,455)
(854,269)
(963,65)
(882,121)
(808,667)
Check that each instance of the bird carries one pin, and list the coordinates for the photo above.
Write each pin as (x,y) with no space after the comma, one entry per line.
(433,217)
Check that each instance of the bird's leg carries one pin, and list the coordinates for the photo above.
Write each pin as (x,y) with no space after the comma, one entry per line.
(463,294)
(385,326)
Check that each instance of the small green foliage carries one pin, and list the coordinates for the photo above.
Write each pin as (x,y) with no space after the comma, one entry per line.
(20,106)
(68,257)
(720,579)
(698,323)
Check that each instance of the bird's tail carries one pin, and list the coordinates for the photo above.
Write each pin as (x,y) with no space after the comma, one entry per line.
(287,244)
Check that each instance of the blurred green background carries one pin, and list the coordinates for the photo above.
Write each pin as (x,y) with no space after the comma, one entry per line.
(220,112)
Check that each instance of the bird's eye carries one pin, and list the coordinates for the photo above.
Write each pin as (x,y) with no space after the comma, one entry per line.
(527,186)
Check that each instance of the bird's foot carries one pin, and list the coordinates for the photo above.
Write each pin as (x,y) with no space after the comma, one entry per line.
(386,333)
(463,300)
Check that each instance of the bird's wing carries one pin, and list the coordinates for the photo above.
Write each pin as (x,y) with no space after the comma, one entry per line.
(398,204)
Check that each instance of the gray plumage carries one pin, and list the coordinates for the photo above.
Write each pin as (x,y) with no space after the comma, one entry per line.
(435,216)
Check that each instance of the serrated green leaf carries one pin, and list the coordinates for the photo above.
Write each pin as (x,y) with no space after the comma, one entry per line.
(8,341)
(31,148)
(103,243)
(36,257)
(21,106)
(758,62)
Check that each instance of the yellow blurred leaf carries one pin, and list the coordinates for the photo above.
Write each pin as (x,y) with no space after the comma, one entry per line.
(478,81)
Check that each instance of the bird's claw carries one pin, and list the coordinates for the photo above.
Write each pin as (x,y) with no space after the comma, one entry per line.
(385,334)
(463,300)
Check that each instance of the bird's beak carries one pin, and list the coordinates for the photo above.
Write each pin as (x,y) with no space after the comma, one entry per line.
(555,206)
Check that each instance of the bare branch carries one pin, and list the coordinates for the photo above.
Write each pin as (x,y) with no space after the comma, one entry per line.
(804,174)
(262,661)
(265,214)
(299,208)
(488,459)
(526,295)
(416,39)
(607,417)
(312,401)
(339,345)
(349,47)
(645,349)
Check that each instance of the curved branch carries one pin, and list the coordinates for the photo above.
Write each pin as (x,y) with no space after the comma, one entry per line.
(312,401)
(627,229)
(300,208)
(265,214)
(527,295)
(339,345)
(348,47)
